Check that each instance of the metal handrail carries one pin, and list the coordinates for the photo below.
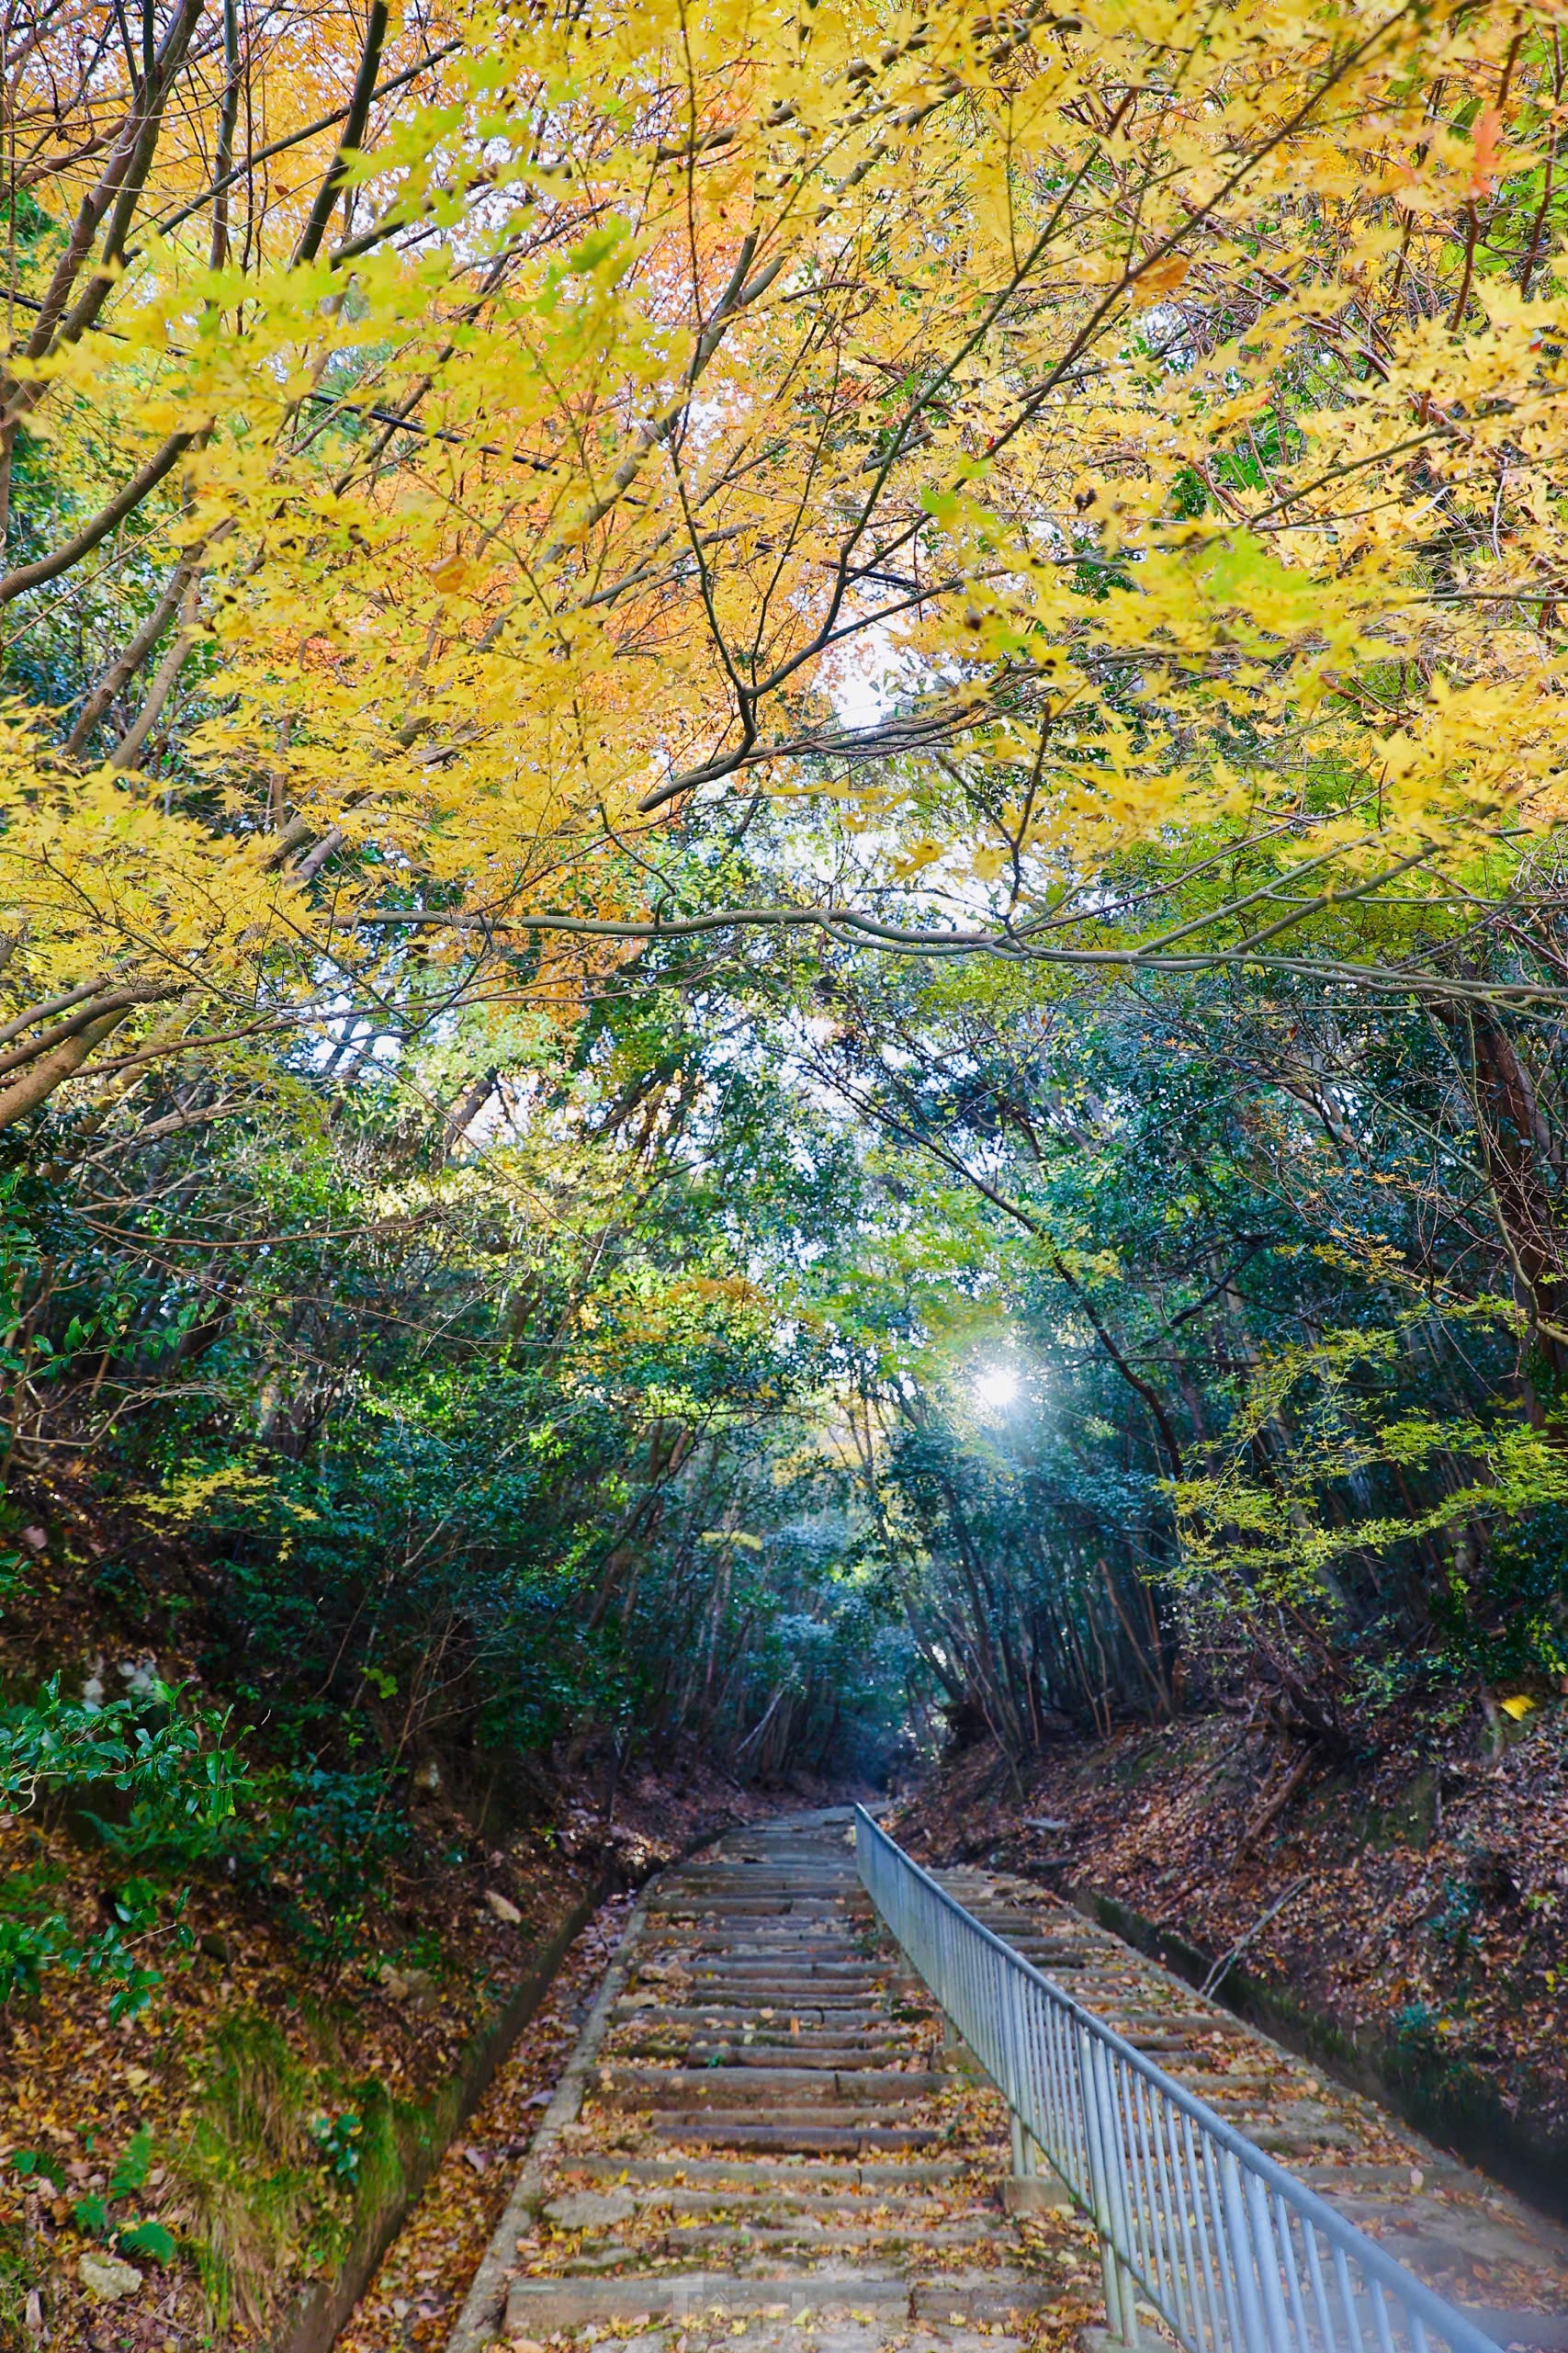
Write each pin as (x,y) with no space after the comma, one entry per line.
(1233,2252)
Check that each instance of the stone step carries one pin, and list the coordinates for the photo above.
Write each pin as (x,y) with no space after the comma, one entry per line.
(779,1985)
(679,2172)
(619,2087)
(807,1967)
(778,1952)
(789,2052)
(776,2192)
(1330,2181)
(819,2236)
(786,2136)
(831,2116)
(992,2297)
(1298,2141)
(753,1888)
(1538,2332)
(1188,2022)
(778,1999)
(784,2002)
(537,2308)
(826,1926)
(725,2015)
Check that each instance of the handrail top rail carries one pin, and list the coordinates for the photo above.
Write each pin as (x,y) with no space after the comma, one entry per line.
(1422,2302)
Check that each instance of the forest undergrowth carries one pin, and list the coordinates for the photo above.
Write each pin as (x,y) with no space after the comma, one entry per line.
(216,2064)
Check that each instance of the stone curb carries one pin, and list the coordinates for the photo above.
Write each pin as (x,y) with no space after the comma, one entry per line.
(483,2306)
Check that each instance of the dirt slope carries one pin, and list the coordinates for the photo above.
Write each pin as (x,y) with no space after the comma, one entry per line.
(1422,1888)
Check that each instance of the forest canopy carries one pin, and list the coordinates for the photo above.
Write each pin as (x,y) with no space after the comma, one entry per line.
(1102,470)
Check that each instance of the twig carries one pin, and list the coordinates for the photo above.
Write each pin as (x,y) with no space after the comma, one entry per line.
(1275,1805)
(1223,1968)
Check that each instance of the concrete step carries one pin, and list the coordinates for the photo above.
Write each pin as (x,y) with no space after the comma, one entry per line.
(623,2087)
(845,2020)
(827,2057)
(776,2192)
(820,2236)
(706,2172)
(537,2308)
(787,2137)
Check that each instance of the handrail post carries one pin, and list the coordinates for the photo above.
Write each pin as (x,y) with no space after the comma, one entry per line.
(1025,2148)
(1121,2310)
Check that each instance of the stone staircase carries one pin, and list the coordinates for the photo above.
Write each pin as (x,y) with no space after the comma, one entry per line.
(769,2121)
(766,2131)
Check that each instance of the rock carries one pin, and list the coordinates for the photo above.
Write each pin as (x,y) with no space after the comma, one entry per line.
(400,1984)
(590,2210)
(503,1908)
(107,2278)
(1033,2193)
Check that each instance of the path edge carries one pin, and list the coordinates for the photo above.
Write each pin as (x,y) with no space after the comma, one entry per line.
(484,2307)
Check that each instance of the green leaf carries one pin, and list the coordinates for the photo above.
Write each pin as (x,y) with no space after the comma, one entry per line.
(147,2238)
(132,2168)
(92,2216)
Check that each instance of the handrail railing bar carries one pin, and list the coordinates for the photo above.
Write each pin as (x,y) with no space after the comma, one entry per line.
(1138,2164)
(1346,2299)
(1284,2224)
(1182,2204)
(1076,2143)
(1200,2225)
(1260,2207)
(1243,2260)
(1224,2254)
(1121,2199)
(1098,2173)
(1379,2314)
(1414,2297)
(1319,2285)
(1159,2208)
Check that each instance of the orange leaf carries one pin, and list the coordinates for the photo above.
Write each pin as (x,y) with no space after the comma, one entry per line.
(1484,157)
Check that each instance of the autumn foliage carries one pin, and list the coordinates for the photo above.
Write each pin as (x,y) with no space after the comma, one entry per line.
(472,447)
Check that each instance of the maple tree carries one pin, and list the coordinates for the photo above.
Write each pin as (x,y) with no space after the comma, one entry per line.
(497,452)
